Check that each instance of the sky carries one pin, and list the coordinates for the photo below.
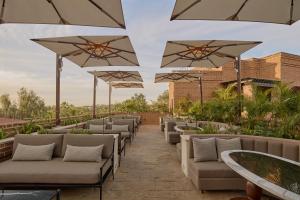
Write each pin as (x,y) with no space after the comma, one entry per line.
(24,63)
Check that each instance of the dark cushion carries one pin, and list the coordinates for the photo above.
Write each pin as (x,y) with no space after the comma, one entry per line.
(173,137)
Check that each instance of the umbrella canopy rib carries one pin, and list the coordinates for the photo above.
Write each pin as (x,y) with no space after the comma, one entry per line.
(177,77)
(127,85)
(113,76)
(107,14)
(267,11)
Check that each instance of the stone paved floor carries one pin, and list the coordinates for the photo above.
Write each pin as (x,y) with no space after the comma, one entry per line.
(150,171)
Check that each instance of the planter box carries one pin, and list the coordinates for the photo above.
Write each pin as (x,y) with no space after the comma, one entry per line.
(187,130)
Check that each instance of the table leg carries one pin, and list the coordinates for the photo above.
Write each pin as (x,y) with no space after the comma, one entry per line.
(253,192)
(58,194)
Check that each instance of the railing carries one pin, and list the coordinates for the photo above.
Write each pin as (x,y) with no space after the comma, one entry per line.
(13,128)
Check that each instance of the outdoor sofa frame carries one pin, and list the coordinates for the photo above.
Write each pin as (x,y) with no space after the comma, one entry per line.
(39,186)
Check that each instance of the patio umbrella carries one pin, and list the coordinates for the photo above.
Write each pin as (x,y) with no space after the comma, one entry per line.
(181,76)
(89,51)
(269,11)
(206,53)
(116,76)
(87,13)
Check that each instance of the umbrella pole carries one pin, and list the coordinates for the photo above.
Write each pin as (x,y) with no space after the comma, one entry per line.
(239,87)
(201,91)
(58,71)
(109,100)
(94,97)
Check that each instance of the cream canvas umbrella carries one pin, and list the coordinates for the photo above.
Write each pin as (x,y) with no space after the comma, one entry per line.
(76,12)
(181,76)
(270,11)
(206,53)
(116,76)
(89,51)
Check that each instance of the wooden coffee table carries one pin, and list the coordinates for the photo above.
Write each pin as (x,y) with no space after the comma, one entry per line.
(277,175)
(30,195)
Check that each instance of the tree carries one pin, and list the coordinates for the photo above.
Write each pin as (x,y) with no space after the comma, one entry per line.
(223,107)
(285,111)
(5,103)
(162,103)
(183,105)
(257,107)
(195,111)
(30,105)
(137,103)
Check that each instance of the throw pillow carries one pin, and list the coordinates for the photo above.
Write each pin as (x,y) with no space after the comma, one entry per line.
(226,145)
(94,127)
(205,149)
(83,154)
(33,153)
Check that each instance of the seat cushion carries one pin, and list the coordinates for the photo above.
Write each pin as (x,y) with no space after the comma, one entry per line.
(211,169)
(51,172)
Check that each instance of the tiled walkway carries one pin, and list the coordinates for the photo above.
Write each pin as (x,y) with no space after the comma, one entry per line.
(150,171)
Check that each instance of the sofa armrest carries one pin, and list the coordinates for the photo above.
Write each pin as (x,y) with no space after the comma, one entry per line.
(110,158)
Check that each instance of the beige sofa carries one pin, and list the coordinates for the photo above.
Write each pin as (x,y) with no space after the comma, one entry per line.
(56,173)
(214,175)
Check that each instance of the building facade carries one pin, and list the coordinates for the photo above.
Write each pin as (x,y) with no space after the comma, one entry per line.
(263,72)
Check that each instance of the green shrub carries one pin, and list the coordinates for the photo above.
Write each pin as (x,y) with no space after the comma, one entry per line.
(208,129)
(30,127)
(2,134)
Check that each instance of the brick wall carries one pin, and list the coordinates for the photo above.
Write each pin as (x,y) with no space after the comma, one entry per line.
(290,69)
(211,81)
(280,66)
(6,147)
